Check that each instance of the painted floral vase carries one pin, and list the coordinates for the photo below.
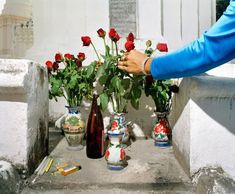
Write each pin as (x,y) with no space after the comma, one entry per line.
(119,125)
(162,131)
(74,128)
(115,154)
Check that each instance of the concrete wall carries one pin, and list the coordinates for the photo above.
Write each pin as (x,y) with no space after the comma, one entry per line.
(24,112)
(203,123)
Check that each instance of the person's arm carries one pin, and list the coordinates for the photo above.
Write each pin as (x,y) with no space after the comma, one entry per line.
(213,48)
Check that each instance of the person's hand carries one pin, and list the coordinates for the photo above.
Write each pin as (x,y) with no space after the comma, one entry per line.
(131,62)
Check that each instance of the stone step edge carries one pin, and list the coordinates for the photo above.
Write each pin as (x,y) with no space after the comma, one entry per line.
(170,186)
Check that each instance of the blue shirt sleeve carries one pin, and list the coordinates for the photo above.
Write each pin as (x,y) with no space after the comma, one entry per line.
(213,48)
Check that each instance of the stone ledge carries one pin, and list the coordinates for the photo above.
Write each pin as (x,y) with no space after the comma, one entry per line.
(203,125)
(24,115)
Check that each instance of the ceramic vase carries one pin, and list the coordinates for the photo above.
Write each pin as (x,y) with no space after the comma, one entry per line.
(162,132)
(115,155)
(119,125)
(74,128)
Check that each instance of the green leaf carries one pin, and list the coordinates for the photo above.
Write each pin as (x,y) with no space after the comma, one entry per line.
(135,103)
(125,83)
(116,82)
(103,99)
(121,90)
(100,71)
(136,92)
(73,81)
(103,79)
(90,69)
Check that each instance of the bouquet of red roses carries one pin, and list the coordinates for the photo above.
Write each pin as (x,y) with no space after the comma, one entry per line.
(118,87)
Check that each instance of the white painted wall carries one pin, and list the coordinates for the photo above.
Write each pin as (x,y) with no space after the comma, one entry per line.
(203,123)
(24,112)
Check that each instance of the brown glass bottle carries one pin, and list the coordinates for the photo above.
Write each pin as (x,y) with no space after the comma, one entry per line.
(95,132)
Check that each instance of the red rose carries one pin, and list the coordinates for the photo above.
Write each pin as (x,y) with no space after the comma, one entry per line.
(113,35)
(68,56)
(129,45)
(55,66)
(116,37)
(81,56)
(78,63)
(130,37)
(86,40)
(162,47)
(58,57)
(101,33)
(49,65)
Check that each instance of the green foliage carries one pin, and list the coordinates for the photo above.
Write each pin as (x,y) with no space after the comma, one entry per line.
(119,87)
(72,82)
(221,6)
(159,90)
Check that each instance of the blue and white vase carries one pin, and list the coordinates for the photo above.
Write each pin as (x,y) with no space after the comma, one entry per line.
(74,128)
(115,155)
(119,125)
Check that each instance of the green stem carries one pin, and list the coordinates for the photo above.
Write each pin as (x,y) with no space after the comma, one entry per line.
(95,51)
(116,47)
(112,47)
(106,52)
(153,52)
(114,108)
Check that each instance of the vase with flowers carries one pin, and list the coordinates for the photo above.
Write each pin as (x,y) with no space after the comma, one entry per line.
(69,79)
(161,93)
(118,88)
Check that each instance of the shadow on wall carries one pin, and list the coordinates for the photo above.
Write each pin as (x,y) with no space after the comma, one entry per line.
(215,96)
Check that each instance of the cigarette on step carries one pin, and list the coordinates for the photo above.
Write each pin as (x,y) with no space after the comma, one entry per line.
(49,165)
(42,170)
(73,169)
(40,165)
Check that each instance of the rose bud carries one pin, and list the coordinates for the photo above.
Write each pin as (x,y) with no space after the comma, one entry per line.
(49,65)
(162,47)
(129,45)
(149,79)
(78,63)
(101,33)
(58,57)
(86,40)
(116,37)
(130,37)
(55,66)
(81,56)
(112,33)
(148,43)
(68,56)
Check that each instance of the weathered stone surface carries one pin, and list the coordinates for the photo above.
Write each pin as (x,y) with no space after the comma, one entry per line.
(24,113)
(214,180)
(203,125)
(9,179)
(150,170)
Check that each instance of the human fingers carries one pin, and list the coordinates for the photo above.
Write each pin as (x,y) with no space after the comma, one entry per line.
(122,67)
(122,63)
(124,57)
